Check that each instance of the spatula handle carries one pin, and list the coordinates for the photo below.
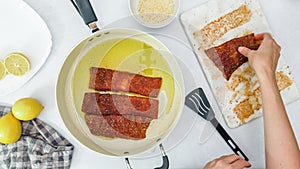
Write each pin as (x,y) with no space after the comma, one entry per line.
(228,139)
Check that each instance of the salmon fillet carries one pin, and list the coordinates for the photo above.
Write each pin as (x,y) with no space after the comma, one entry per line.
(115,104)
(116,126)
(226,56)
(102,79)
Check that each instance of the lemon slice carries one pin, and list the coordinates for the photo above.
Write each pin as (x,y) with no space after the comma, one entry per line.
(17,64)
(2,70)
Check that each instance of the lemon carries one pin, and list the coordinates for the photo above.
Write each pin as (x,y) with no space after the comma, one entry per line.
(27,108)
(2,70)
(17,64)
(10,129)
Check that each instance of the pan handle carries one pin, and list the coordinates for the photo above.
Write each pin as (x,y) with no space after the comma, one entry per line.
(165,158)
(85,9)
(128,163)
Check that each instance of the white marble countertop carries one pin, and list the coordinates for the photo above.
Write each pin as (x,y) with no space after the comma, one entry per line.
(196,148)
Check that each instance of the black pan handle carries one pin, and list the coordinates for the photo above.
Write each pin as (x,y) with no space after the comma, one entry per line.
(165,164)
(235,148)
(165,158)
(128,163)
(87,13)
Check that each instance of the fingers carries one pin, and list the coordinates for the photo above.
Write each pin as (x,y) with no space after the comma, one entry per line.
(276,45)
(259,36)
(240,163)
(267,36)
(262,36)
(244,51)
(265,57)
(258,42)
(270,43)
(266,42)
(235,161)
(230,158)
(228,162)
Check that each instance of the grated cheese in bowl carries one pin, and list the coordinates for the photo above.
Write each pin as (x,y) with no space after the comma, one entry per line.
(154,13)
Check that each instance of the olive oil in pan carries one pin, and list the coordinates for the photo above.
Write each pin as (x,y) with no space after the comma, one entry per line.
(138,57)
(125,55)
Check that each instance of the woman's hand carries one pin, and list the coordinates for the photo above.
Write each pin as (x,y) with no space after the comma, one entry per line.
(228,162)
(264,59)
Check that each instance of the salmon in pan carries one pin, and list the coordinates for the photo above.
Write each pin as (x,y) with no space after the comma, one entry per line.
(118,126)
(102,79)
(115,104)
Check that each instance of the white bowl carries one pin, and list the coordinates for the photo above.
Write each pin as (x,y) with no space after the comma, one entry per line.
(153,20)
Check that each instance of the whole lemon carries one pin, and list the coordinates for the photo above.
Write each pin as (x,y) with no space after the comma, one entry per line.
(10,129)
(27,109)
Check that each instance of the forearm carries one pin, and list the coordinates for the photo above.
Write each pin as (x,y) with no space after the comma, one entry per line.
(282,150)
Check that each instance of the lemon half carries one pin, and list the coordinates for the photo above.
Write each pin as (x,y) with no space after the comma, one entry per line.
(10,129)
(27,108)
(17,64)
(2,70)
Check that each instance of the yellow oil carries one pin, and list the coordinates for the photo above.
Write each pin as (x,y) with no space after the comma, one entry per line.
(124,55)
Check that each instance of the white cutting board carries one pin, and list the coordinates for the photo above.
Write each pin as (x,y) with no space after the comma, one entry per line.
(195,19)
(22,30)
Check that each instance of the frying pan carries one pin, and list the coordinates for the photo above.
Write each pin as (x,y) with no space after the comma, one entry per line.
(110,48)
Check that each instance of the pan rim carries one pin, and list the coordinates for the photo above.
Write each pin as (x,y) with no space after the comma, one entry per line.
(60,85)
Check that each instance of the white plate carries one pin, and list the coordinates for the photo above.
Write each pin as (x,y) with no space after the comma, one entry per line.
(22,30)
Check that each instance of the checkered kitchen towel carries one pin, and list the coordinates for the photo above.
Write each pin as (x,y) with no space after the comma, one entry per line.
(40,147)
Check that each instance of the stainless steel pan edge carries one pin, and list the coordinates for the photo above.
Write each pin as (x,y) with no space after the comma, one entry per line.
(64,93)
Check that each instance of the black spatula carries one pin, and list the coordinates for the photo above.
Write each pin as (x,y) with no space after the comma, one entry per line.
(197,101)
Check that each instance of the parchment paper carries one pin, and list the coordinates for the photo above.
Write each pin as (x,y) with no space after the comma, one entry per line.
(195,19)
